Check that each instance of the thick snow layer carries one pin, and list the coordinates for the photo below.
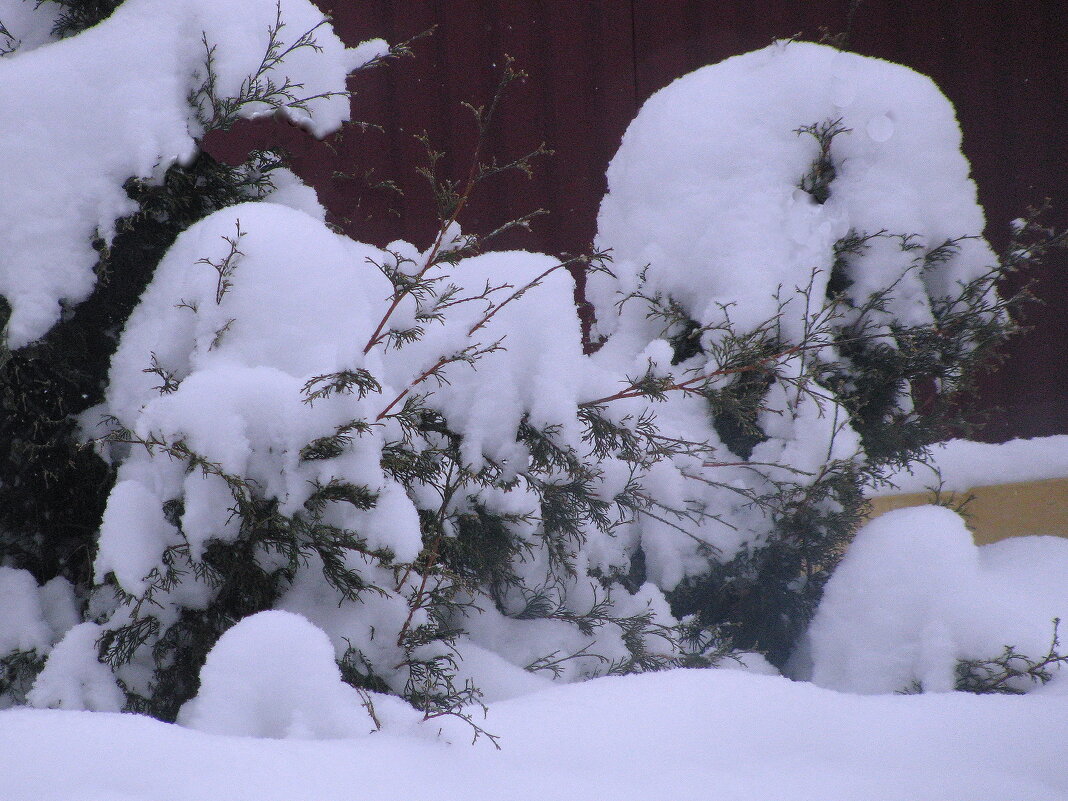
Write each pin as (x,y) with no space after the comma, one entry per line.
(681,734)
(704,198)
(73,677)
(274,675)
(83,115)
(914,595)
(959,465)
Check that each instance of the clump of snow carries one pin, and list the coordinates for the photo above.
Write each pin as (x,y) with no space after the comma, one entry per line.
(73,677)
(290,191)
(273,675)
(914,595)
(32,619)
(90,112)
(22,622)
(59,606)
(133,533)
(708,205)
(958,465)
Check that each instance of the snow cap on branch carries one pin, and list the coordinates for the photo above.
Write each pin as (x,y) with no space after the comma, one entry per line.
(126,99)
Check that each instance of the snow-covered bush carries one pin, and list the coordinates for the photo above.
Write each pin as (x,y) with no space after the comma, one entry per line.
(291,445)
(408,446)
(798,249)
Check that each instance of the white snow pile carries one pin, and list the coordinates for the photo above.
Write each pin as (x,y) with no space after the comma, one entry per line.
(126,85)
(274,675)
(74,678)
(914,596)
(32,617)
(705,185)
(959,465)
(680,734)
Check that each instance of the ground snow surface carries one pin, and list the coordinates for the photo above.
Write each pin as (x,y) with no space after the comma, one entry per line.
(681,734)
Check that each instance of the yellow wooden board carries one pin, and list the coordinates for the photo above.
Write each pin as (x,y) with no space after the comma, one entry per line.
(1002,510)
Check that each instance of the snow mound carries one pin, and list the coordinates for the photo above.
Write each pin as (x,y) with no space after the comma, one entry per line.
(914,595)
(704,196)
(273,675)
(74,678)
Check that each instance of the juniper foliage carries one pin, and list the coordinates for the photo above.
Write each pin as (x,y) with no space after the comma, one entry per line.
(1011,672)
(77,15)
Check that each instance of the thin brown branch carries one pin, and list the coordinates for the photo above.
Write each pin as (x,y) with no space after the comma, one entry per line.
(635,390)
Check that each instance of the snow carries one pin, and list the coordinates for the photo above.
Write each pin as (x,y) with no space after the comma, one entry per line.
(127,83)
(693,193)
(32,620)
(914,595)
(273,675)
(28,23)
(257,300)
(73,677)
(959,465)
(680,734)
(22,623)
(133,533)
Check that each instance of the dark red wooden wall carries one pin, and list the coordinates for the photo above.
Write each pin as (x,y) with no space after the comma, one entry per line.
(593,62)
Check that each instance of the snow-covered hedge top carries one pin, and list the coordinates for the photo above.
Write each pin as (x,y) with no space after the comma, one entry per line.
(84,115)
(959,465)
(704,192)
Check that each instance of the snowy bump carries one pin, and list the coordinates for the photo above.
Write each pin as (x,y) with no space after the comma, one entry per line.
(273,675)
(880,128)
(74,678)
(914,594)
